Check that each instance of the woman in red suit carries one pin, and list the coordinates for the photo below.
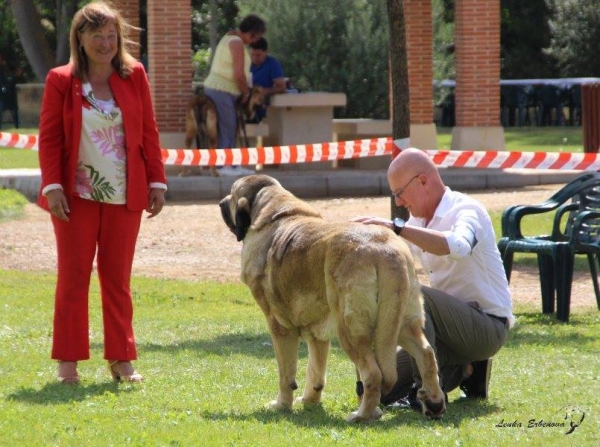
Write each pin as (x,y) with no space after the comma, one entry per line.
(101,166)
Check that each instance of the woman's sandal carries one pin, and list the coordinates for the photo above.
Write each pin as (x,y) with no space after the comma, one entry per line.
(134,377)
(67,372)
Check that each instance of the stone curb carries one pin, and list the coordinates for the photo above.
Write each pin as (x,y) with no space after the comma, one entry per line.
(319,183)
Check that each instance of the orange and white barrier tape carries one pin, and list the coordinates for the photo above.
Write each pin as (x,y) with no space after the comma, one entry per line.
(516,160)
(306,153)
(19,141)
(298,153)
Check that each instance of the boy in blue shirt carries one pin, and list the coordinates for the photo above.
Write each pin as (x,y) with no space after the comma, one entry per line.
(266,72)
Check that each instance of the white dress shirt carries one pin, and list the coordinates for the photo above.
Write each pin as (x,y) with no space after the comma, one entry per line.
(473,271)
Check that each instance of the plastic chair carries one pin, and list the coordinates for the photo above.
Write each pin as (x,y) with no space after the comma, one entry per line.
(575,105)
(550,98)
(585,239)
(554,251)
(514,105)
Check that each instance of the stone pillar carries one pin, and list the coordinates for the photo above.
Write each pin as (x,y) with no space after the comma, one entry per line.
(477,37)
(419,49)
(170,66)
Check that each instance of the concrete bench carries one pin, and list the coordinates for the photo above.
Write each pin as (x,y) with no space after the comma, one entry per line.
(358,129)
(256,133)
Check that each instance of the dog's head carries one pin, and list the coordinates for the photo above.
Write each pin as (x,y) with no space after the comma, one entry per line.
(236,208)
(255,101)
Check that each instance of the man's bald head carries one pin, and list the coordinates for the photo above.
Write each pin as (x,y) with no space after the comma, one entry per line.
(411,161)
(415,182)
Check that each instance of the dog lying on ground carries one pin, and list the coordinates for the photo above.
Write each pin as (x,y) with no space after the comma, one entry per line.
(202,122)
(314,279)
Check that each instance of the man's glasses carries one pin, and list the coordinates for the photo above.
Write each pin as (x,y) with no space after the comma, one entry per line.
(398,195)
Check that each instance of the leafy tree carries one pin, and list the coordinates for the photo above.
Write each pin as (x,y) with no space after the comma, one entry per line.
(575,28)
(338,45)
(202,27)
(40,30)
(227,13)
(443,47)
(368,61)
(525,32)
(11,51)
(443,40)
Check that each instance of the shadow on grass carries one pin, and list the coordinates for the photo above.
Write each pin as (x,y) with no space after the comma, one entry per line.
(252,344)
(316,416)
(256,345)
(58,393)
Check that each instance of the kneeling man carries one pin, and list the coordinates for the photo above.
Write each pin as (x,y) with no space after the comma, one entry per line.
(468,305)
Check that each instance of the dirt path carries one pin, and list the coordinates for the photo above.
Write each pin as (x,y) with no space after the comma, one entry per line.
(189,241)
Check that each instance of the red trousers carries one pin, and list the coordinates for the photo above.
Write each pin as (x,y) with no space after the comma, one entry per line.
(110,231)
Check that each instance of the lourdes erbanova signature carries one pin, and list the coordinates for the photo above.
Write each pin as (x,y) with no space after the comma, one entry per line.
(568,419)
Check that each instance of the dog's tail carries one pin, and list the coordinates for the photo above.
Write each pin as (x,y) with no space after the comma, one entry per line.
(191,123)
(395,299)
(386,337)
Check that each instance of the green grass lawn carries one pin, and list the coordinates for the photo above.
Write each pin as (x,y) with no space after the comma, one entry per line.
(12,158)
(210,370)
(530,139)
(13,204)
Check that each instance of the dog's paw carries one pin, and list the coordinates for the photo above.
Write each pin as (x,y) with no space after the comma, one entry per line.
(434,409)
(356,417)
(305,401)
(275,405)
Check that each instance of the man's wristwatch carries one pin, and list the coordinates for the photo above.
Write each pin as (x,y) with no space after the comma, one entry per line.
(398,224)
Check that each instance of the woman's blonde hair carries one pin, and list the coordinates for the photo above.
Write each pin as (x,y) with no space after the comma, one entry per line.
(93,16)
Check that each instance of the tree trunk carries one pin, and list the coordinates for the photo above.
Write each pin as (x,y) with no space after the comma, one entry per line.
(399,82)
(32,37)
(64,13)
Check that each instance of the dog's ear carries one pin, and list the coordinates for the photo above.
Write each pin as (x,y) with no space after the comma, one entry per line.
(242,218)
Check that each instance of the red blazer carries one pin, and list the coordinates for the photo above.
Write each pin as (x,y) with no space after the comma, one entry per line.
(60,133)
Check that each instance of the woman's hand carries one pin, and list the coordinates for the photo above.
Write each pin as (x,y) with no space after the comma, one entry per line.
(156,201)
(58,204)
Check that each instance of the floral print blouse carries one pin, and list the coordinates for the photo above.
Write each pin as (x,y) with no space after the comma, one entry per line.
(101,169)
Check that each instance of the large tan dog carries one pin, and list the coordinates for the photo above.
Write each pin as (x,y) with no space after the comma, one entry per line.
(315,279)
(202,122)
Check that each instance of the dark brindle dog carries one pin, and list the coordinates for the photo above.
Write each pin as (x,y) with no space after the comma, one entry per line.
(202,125)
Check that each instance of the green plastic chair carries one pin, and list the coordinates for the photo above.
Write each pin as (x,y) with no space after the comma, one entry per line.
(585,239)
(556,251)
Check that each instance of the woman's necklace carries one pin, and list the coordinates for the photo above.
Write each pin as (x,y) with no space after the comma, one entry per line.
(106,107)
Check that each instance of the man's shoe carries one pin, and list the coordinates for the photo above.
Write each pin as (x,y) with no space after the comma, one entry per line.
(477,384)
(408,402)
(411,402)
